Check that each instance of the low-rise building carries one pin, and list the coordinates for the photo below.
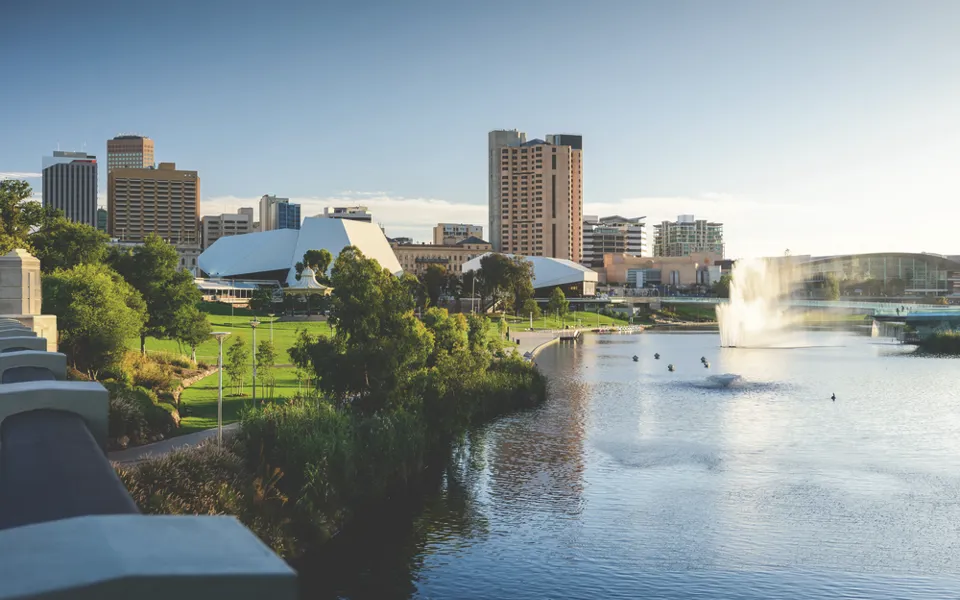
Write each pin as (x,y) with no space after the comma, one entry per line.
(445,234)
(351,213)
(676,271)
(416,258)
(612,235)
(215,227)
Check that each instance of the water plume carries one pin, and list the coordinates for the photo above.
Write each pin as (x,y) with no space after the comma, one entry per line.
(755,314)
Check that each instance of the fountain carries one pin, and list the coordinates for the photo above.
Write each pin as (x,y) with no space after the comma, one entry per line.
(754,315)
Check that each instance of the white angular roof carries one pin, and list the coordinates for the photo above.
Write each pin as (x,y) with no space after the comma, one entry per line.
(547,272)
(233,256)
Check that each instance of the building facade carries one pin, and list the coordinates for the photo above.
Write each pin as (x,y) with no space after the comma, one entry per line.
(278,213)
(686,236)
(352,213)
(214,227)
(451,233)
(416,258)
(539,199)
(497,140)
(165,201)
(886,274)
(102,219)
(129,152)
(70,185)
(699,269)
(612,235)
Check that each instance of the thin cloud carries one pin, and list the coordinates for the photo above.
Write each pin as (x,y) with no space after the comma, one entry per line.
(18,175)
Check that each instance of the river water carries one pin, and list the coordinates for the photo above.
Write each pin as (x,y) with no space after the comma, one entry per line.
(635,482)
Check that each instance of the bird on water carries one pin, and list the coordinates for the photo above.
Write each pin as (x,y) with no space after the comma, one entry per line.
(833,397)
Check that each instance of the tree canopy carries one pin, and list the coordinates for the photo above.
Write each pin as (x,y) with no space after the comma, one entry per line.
(18,215)
(97,311)
(558,302)
(434,280)
(63,244)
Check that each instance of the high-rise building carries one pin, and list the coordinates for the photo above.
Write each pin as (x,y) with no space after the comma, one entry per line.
(102,219)
(686,236)
(351,213)
(70,184)
(165,201)
(451,233)
(537,196)
(612,235)
(496,140)
(215,227)
(278,213)
(129,152)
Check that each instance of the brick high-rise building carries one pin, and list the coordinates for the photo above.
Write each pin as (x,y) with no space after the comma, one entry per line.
(536,195)
(164,201)
(70,184)
(129,152)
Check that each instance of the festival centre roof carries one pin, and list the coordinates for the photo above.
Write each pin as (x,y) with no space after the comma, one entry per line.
(275,253)
(547,272)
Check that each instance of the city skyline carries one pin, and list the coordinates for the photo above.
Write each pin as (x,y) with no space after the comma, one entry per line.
(730,112)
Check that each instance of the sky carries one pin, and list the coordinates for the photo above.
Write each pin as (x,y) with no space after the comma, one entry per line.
(814,127)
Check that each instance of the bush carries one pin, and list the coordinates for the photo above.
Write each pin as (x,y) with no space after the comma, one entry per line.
(135,416)
(944,342)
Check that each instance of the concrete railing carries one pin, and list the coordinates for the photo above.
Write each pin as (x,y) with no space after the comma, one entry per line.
(68,527)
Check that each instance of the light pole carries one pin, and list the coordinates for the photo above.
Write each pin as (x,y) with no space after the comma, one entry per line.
(220,335)
(271,315)
(473,291)
(253,326)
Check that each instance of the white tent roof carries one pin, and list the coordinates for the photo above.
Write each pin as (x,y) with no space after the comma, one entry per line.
(547,272)
(308,282)
(238,255)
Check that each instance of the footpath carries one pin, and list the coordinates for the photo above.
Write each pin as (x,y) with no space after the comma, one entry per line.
(132,456)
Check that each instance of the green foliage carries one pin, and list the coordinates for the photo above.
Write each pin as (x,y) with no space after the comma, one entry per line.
(722,287)
(831,287)
(530,307)
(96,312)
(17,215)
(262,300)
(266,359)
(505,279)
(153,269)
(191,327)
(941,342)
(135,417)
(434,281)
(237,363)
(63,244)
(558,303)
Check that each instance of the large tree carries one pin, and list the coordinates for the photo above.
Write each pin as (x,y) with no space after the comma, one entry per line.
(153,269)
(266,360)
(237,364)
(18,215)
(831,287)
(192,328)
(97,312)
(63,244)
(558,302)
(434,279)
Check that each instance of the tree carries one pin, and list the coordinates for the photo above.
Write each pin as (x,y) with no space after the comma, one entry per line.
(97,311)
(266,359)
(378,348)
(520,282)
(17,215)
(831,287)
(262,300)
(319,261)
(63,244)
(722,287)
(153,269)
(192,328)
(530,307)
(416,289)
(434,280)
(558,303)
(238,361)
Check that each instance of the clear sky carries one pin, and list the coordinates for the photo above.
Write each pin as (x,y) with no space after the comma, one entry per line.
(816,126)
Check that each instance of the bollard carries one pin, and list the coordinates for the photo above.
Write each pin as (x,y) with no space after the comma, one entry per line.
(88,399)
(17,332)
(19,364)
(15,344)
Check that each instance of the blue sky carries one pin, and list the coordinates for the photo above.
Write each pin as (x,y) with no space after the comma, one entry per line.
(819,127)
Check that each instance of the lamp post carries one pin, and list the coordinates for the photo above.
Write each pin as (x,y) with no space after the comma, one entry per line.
(253,326)
(220,335)
(271,315)
(473,291)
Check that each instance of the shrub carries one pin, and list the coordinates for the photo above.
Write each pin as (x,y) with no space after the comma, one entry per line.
(135,416)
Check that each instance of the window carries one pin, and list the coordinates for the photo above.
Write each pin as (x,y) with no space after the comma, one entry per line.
(554,157)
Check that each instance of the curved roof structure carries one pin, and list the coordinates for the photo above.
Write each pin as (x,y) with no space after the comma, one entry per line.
(933,259)
(547,272)
(281,249)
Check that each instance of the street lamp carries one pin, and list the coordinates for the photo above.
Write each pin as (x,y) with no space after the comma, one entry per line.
(253,326)
(220,335)
(271,315)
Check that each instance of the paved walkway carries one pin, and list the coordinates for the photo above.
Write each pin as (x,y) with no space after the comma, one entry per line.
(131,456)
(530,340)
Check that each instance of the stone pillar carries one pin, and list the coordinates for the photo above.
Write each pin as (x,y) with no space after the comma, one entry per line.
(20,296)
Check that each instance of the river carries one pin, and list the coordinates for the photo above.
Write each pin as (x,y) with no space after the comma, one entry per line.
(635,482)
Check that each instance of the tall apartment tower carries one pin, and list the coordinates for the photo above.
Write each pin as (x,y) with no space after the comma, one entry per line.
(165,201)
(612,235)
(688,235)
(129,152)
(496,140)
(536,197)
(278,213)
(70,184)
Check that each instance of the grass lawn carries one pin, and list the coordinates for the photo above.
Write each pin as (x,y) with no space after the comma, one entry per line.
(284,336)
(693,312)
(585,319)
(199,401)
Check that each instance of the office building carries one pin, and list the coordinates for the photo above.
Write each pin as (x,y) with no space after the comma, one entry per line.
(70,185)
(416,258)
(537,196)
(451,233)
(612,235)
(102,219)
(688,235)
(353,213)
(278,213)
(214,227)
(165,201)
(129,152)
(496,140)
(690,270)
